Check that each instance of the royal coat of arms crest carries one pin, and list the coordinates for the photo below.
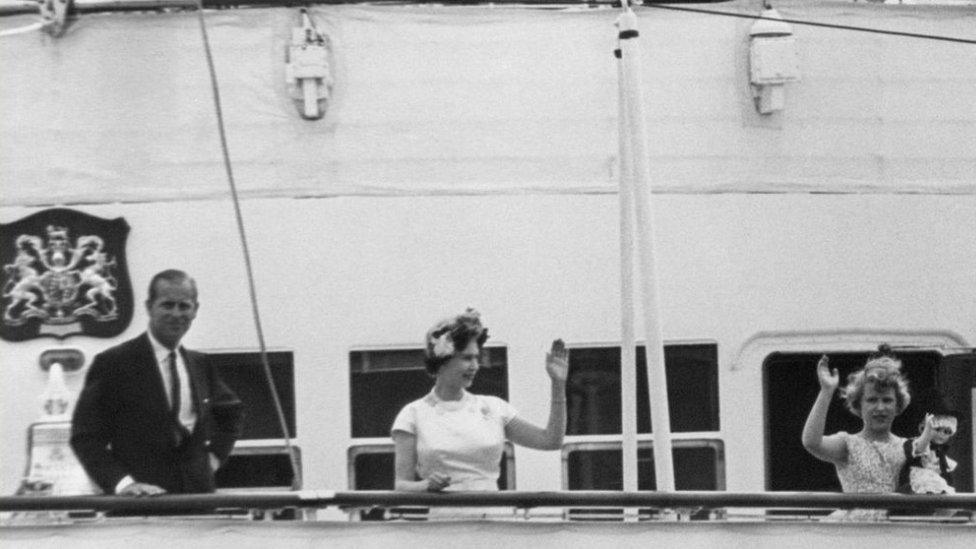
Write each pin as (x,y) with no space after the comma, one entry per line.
(64,273)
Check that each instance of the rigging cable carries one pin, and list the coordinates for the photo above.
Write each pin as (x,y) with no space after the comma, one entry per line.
(293,459)
(815,24)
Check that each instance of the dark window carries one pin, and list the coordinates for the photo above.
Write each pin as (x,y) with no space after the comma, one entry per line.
(698,465)
(957,381)
(383,382)
(244,374)
(593,389)
(373,470)
(258,467)
(791,386)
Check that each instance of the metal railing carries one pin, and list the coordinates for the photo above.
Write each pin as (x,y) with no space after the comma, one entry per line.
(178,504)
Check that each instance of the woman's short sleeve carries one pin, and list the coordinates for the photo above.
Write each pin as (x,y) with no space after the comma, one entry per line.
(501,407)
(405,421)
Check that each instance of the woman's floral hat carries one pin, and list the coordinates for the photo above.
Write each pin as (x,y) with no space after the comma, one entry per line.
(442,336)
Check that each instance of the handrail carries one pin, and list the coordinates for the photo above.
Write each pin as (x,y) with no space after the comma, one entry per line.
(523,500)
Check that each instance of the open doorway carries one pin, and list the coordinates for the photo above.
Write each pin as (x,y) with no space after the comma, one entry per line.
(790,387)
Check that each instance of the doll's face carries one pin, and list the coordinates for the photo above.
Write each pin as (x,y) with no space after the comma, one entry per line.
(945,428)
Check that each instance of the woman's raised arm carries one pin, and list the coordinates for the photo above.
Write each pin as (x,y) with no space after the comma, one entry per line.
(526,434)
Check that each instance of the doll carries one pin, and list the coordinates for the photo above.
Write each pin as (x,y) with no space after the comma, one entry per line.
(928,470)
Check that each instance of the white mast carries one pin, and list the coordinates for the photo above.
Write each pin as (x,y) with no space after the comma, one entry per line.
(628,354)
(635,187)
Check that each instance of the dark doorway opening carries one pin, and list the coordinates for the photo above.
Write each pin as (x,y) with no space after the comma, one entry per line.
(790,387)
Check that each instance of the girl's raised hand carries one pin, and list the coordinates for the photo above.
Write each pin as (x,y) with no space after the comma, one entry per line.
(828,377)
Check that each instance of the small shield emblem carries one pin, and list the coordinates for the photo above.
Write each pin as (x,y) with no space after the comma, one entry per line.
(64,273)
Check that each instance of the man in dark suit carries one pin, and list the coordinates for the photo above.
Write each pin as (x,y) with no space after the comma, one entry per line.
(154,417)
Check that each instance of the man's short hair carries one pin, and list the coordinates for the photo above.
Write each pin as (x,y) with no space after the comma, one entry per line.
(174,276)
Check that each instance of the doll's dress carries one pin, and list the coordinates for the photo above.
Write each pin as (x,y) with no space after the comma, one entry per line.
(925,475)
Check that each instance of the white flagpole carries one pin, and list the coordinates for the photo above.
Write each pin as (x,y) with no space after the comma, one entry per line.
(628,344)
(657,380)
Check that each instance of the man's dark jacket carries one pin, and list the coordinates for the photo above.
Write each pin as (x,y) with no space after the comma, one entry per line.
(122,423)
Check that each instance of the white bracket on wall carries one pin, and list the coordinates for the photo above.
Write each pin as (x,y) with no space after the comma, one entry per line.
(772,61)
(308,70)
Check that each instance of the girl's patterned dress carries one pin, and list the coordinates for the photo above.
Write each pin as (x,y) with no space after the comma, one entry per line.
(872,467)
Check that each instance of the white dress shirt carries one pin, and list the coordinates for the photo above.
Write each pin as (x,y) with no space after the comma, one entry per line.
(188,416)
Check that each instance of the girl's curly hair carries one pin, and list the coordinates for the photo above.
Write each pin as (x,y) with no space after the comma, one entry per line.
(883,369)
(452,335)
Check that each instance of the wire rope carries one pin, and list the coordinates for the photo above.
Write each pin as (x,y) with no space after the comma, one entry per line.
(835,26)
(215,88)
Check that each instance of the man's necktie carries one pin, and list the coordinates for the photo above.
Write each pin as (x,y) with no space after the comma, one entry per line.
(179,431)
(174,385)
